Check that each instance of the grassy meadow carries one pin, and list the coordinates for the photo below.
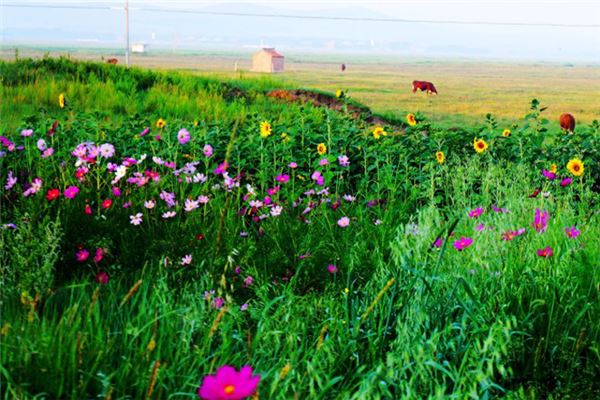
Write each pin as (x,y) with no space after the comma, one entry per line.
(158,225)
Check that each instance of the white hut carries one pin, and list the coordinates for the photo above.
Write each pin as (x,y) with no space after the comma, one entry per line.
(140,47)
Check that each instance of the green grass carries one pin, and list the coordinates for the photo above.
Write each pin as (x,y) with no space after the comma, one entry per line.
(401,319)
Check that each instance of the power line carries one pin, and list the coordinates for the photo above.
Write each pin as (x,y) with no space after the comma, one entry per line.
(314,17)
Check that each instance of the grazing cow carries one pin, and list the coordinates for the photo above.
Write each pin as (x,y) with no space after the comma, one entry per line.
(567,122)
(424,86)
(112,61)
(343,67)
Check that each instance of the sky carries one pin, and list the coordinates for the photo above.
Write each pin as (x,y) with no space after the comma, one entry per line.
(579,41)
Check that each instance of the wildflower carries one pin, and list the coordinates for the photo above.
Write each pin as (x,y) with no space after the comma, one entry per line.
(144,132)
(48,152)
(228,383)
(293,165)
(323,162)
(221,168)
(265,129)
(572,232)
(411,119)
(437,243)
(463,243)
(203,199)
(119,173)
(26,132)
(276,211)
(499,210)
(61,100)
(540,221)
(186,260)
(344,161)
(506,133)
(41,145)
(553,168)
(378,222)
(332,269)
(149,204)
(217,302)
(282,178)
(480,227)
(107,203)
(102,278)
(99,255)
(10,181)
(549,174)
(207,150)
(82,255)
(378,132)
(339,93)
(545,252)
(52,194)
(343,222)
(349,198)
(160,123)
(248,281)
(476,212)
(35,187)
(169,214)
(510,235)
(191,205)
(440,157)
(575,167)
(479,145)
(71,192)
(244,307)
(566,182)
(183,136)
(136,219)
(88,209)
(285,137)
(321,149)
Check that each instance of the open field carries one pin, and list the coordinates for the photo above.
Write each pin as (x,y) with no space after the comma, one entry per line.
(468,89)
(157,227)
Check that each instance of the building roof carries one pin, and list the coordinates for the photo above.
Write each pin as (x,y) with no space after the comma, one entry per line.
(271,52)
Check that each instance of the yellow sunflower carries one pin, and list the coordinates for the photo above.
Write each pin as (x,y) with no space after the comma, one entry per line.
(479,145)
(61,100)
(440,157)
(322,149)
(506,133)
(265,129)
(160,123)
(575,166)
(379,132)
(553,168)
(411,120)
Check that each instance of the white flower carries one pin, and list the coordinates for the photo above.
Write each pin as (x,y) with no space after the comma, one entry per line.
(119,173)
(190,205)
(202,199)
(169,214)
(136,219)
(186,260)
(276,211)
(149,204)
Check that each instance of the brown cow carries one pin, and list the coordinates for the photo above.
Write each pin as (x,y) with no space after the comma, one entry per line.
(112,61)
(424,86)
(567,122)
(343,67)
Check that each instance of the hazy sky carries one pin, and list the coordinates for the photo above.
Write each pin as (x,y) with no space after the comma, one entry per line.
(542,42)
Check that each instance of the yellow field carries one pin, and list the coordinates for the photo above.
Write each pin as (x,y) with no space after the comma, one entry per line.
(467,89)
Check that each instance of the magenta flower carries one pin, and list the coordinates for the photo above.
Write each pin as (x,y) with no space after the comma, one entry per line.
(549,175)
(221,168)
(293,165)
(566,182)
(229,384)
(546,252)
(144,132)
(476,212)
(99,255)
(34,187)
(183,136)
(499,210)
(48,152)
(82,255)
(343,222)
(438,243)
(102,278)
(71,192)
(463,243)
(248,281)
(282,178)
(207,150)
(572,232)
(332,269)
(540,221)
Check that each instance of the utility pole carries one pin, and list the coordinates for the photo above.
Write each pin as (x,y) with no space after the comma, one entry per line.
(127,32)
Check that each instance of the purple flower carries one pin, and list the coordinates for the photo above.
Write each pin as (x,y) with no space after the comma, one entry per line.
(183,136)
(82,255)
(344,161)
(572,232)
(480,227)
(566,182)
(10,181)
(48,152)
(323,162)
(229,384)
(284,178)
(545,252)
(293,165)
(248,281)
(499,210)
(222,168)
(71,192)
(476,212)
(144,132)
(549,175)
(207,150)
(41,145)
(463,243)
(35,187)
(343,222)
(540,221)
(116,191)
(26,132)
(186,260)
(332,269)
(437,243)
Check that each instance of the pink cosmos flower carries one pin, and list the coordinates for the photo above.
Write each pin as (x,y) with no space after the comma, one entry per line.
(476,212)
(510,235)
(71,192)
(26,132)
(116,191)
(550,175)
(10,181)
(499,210)
(35,187)
(282,178)
(229,384)
(221,168)
(99,255)
(186,260)
(102,278)
(546,252)
(88,209)
(344,161)
(136,219)
(438,243)
(144,132)
(480,227)
(48,152)
(107,150)
(566,182)
(41,145)
(540,221)
(191,205)
(323,162)
(207,150)
(276,211)
(572,232)
(463,243)
(248,281)
(183,136)
(82,255)
(343,222)
(107,203)
(293,165)
(332,269)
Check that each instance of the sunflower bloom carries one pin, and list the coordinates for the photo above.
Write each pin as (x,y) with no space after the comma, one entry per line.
(480,145)
(575,166)
(506,133)
(61,100)
(265,129)
(440,157)
(553,168)
(410,119)
(379,132)
(160,123)
(322,149)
